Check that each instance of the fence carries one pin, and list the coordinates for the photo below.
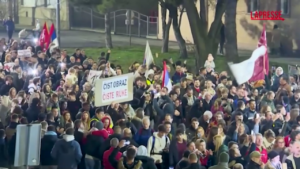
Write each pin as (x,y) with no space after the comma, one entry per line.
(141,25)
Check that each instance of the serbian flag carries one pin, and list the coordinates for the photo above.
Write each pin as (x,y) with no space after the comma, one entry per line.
(249,68)
(166,81)
(263,42)
(53,35)
(44,39)
(148,57)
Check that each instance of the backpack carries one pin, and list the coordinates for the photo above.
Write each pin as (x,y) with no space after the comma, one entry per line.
(153,143)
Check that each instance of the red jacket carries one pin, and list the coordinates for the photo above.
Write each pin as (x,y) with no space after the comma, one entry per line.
(204,160)
(264,154)
(103,133)
(108,129)
(106,163)
(287,140)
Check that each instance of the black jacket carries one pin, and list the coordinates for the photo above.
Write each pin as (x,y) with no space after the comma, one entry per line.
(3,154)
(47,143)
(93,145)
(253,165)
(195,166)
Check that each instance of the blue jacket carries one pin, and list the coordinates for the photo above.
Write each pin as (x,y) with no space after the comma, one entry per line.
(67,152)
(177,77)
(10,25)
(142,136)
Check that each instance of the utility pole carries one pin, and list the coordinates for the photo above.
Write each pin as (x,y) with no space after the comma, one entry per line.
(58,21)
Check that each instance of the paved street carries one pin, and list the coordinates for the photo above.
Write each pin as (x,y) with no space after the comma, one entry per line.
(84,39)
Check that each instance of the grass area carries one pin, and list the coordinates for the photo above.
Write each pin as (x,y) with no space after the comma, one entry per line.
(125,56)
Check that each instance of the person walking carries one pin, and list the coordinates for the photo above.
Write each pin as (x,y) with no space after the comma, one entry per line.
(10,27)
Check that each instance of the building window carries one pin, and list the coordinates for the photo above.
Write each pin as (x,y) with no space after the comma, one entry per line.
(252,5)
(51,3)
(284,6)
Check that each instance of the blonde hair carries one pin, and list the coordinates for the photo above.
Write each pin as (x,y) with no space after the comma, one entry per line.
(8,56)
(218,141)
(71,71)
(276,141)
(202,132)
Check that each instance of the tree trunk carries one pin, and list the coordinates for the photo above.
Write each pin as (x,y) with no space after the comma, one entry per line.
(176,28)
(198,32)
(179,38)
(108,40)
(205,42)
(230,31)
(165,28)
(165,47)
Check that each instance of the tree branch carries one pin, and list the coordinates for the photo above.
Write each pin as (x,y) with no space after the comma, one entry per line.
(180,16)
(217,23)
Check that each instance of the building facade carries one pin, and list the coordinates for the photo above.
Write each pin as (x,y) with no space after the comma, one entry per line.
(44,10)
(248,31)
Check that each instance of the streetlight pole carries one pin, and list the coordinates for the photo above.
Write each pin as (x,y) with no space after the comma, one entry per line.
(58,21)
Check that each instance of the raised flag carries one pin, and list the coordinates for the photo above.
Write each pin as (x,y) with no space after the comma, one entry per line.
(249,68)
(44,39)
(148,57)
(263,42)
(166,81)
(53,36)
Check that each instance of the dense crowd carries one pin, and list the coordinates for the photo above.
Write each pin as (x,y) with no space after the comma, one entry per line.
(205,120)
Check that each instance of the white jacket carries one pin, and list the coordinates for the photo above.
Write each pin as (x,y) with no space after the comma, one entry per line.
(159,144)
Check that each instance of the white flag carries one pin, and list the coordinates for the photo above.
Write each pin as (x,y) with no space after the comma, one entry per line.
(148,58)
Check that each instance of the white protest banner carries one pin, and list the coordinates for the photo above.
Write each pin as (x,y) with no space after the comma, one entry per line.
(114,89)
(24,53)
(93,76)
(9,66)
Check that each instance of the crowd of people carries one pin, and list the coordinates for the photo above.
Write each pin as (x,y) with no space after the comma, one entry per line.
(205,121)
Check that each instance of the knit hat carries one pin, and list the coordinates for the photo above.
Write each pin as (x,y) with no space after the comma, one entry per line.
(98,125)
(255,154)
(224,158)
(272,154)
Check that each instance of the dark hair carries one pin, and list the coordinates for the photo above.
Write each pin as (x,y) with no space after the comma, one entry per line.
(99,110)
(23,120)
(42,117)
(231,143)
(161,128)
(294,134)
(51,128)
(179,132)
(14,117)
(240,103)
(70,131)
(130,153)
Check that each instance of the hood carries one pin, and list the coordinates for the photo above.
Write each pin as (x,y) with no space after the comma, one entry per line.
(280,71)
(103,119)
(68,138)
(34,102)
(142,151)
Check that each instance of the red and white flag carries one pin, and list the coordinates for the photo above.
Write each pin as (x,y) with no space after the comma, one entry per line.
(262,63)
(249,68)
